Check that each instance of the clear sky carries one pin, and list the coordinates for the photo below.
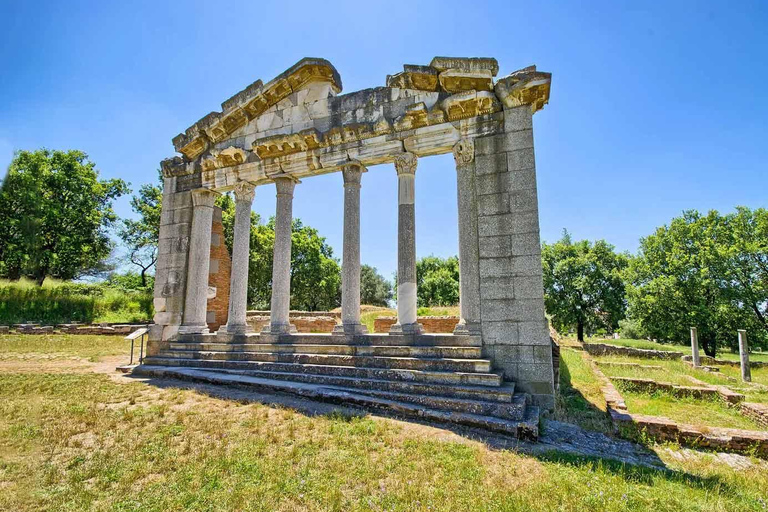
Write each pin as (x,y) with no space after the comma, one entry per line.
(656,106)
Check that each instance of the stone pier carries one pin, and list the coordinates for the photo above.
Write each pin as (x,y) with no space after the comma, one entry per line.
(695,347)
(746,371)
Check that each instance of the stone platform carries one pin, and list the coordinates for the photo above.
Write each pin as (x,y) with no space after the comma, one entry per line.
(436,377)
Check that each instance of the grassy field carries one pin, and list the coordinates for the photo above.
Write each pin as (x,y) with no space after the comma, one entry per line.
(86,346)
(580,400)
(86,441)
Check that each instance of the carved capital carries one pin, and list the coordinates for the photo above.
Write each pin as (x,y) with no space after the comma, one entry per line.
(245,191)
(285,185)
(352,173)
(464,152)
(203,197)
(405,163)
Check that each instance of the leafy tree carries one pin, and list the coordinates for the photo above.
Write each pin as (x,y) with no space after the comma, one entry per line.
(374,289)
(583,285)
(56,214)
(141,235)
(706,271)
(437,281)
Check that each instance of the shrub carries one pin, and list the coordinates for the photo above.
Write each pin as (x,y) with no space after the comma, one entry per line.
(631,329)
(66,302)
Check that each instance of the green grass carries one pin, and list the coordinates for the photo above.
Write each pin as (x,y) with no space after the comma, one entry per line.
(84,442)
(367,317)
(65,345)
(580,400)
(700,412)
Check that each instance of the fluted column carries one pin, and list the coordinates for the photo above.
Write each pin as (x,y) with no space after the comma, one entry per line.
(241,247)
(350,267)
(279,321)
(196,298)
(469,251)
(407,323)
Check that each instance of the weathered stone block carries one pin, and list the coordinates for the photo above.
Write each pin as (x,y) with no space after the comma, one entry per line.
(525,244)
(495,246)
(493,204)
(518,140)
(508,224)
(518,118)
(534,332)
(521,159)
(522,180)
(536,372)
(493,183)
(500,333)
(526,265)
(490,164)
(497,288)
(495,267)
(523,200)
(529,287)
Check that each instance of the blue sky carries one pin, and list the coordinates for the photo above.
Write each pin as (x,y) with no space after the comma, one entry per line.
(656,107)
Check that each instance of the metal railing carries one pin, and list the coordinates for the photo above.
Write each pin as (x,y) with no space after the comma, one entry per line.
(138,333)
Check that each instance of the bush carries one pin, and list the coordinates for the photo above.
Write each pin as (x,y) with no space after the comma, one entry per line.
(66,302)
(632,329)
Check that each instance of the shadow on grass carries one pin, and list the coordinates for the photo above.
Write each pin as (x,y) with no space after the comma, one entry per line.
(561,443)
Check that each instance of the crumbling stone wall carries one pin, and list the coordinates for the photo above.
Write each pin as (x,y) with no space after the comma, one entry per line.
(431,324)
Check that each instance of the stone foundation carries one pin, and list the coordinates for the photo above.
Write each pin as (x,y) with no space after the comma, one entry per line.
(758,412)
(430,324)
(602,349)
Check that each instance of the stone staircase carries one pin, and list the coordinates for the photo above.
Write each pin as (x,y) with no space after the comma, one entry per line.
(433,377)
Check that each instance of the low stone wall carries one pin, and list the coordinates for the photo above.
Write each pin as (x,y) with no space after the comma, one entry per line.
(602,349)
(648,385)
(295,314)
(706,360)
(758,412)
(720,439)
(311,324)
(431,324)
(102,329)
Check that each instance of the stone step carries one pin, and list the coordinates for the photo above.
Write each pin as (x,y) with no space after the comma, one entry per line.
(409,363)
(527,428)
(434,340)
(514,410)
(358,350)
(404,375)
(501,394)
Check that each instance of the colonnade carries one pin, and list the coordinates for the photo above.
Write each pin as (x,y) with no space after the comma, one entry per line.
(194,319)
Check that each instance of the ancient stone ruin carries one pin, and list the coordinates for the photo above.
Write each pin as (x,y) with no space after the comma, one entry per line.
(495,370)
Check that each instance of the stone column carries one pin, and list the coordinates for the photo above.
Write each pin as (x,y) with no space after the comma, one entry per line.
(279,322)
(469,252)
(405,164)
(746,371)
(241,247)
(350,268)
(695,347)
(196,298)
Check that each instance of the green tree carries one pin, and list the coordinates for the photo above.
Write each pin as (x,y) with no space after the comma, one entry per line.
(583,285)
(141,235)
(374,289)
(56,214)
(437,281)
(315,273)
(706,271)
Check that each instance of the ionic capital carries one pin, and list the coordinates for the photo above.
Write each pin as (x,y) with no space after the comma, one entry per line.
(203,197)
(245,192)
(464,152)
(405,164)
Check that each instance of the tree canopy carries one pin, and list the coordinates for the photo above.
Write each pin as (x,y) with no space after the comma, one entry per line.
(374,289)
(56,214)
(708,271)
(583,286)
(141,235)
(437,281)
